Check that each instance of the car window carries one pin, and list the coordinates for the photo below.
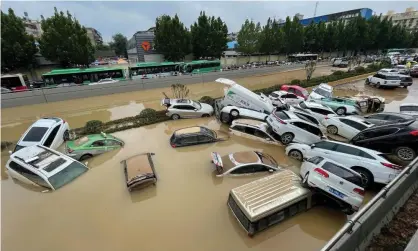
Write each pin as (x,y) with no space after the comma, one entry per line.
(260,134)
(366,155)
(343,173)
(28,174)
(315,160)
(301,125)
(51,136)
(376,75)
(250,130)
(327,145)
(274,95)
(203,138)
(348,150)
(98,143)
(81,141)
(321,111)
(303,105)
(35,134)
(259,168)
(311,119)
(323,92)
(243,169)
(291,90)
(239,128)
(354,124)
(281,115)
(67,174)
(185,107)
(291,96)
(190,140)
(111,142)
(314,130)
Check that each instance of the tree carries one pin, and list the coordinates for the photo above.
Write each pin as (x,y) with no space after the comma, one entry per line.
(293,33)
(267,39)
(103,47)
(171,38)
(278,37)
(119,44)
(248,37)
(65,41)
(310,67)
(18,49)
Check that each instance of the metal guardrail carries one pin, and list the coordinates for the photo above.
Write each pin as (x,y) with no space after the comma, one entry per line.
(348,226)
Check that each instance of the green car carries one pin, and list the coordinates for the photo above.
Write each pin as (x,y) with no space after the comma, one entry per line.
(91,145)
(341,106)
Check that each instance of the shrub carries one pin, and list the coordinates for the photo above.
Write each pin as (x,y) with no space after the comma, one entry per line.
(338,73)
(93,126)
(295,82)
(148,113)
(360,69)
(207,100)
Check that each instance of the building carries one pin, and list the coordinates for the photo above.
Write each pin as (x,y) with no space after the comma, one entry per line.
(94,36)
(232,36)
(408,19)
(141,47)
(345,15)
(32,27)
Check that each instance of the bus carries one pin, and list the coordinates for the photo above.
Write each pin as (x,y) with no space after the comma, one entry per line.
(83,75)
(153,69)
(302,57)
(15,82)
(201,66)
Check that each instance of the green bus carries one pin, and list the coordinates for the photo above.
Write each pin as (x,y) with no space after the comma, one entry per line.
(83,75)
(153,69)
(201,66)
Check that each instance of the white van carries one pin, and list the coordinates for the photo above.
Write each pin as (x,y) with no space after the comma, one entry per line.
(237,95)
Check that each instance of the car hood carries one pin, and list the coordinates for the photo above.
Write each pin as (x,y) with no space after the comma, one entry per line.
(206,108)
(315,95)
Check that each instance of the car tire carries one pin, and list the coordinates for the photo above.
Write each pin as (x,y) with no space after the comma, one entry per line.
(66,135)
(367,81)
(341,111)
(366,174)
(234,113)
(85,156)
(175,116)
(287,138)
(332,130)
(296,154)
(378,85)
(205,115)
(405,153)
(225,118)
(305,181)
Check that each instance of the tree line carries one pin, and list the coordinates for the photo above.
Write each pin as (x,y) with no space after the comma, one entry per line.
(357,35)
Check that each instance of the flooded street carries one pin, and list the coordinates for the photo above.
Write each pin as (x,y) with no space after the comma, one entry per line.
(185,211)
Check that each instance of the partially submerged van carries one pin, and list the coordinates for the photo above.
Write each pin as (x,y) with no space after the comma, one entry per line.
(268,201)
(237,95)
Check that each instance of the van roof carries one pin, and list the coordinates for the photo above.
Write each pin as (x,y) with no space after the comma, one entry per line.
(270,194)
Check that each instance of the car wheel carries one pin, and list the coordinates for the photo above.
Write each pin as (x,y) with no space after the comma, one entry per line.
(341,111)
(175,116)
(66,136)
(296,154)
(234,113)
(205,115)
(286,138)
(366,175)
(405,153)
(305,180)
(225,118)
(85,156)
(378,85)
(332,130)
(367,81)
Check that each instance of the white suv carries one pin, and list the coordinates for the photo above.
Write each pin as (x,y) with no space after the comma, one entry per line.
(335,180)
(372,165)
(292,128)
(320,111)
(49,132)
(321,91)
(384,80)
(254,129)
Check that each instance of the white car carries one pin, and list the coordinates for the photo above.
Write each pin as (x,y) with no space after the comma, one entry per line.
(291,128)
(372,165)
(230,113)
(320,111)
(49,132)
(286,97)
(255,130)
(321,91)
(388,70)
(348,126)
(186,108)
(335,180)
(42,166)
(105,81)
(409,109)
(384,80)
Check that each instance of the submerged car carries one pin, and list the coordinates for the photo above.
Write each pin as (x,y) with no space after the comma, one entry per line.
(139,171)
(92,145)
(341,106)
(194,136)
(244,163)
(255,130)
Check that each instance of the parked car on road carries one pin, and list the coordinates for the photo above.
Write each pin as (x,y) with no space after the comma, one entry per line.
(406,80)
(372,165)
(105,81)
(334,180)
(387,117)
(347,126)
(402,69)
(341,106)
(195,135)
(297,90)
(42,166)
(239,163)
(92,145)
(286,97)
(50,132)
(399,138)
(388,70)
(255,130)
(186,108)
(139,171)
(321,91)
(320,111)
(384,80)
(414,71)
(290,128)
(409,109)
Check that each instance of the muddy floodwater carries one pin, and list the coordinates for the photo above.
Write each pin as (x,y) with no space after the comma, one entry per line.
(185,211)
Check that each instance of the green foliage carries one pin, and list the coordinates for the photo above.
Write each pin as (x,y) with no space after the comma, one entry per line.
(17,48)
(360,69)
(208,36)
(148,113)
(249,37)
(65,41)
(93,127)
(266,40)
(103,47)
(338,73)
(207,100)
(180,91)
(118,44)
(295,82)
(172,39)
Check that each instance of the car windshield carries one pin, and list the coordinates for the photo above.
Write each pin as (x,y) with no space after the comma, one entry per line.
(323,92)
(81,141)
(408,108)
(274,95)
(209,131)
(303,105)
(67,175)
(267,159)
(35,134)
(197,105)
(281,115)
(18,147)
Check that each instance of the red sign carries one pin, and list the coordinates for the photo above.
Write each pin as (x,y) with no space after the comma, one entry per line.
(146,46)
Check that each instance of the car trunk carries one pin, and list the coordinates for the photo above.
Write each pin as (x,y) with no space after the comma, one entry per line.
(139,171)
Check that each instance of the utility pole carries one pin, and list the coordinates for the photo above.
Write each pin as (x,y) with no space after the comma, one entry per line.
(316,6)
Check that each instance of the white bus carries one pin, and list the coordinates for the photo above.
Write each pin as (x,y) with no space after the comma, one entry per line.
(15,82)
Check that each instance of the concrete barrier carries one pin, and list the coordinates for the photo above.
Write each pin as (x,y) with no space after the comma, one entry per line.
(358,232)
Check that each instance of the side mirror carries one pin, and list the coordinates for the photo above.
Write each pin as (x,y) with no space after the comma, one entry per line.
(312,146)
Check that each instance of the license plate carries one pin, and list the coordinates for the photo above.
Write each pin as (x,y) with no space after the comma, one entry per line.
(336,193)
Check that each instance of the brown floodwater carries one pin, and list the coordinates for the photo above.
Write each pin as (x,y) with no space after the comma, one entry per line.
(187,208)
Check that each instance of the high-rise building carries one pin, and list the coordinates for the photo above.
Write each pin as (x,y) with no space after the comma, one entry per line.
(408,19)
(141,47)
(94,36)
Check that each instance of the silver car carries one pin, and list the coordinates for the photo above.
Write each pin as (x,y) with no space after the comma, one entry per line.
(186,108)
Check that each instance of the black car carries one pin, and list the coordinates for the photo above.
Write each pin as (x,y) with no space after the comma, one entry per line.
(387,117)
(400,139)
(193,136)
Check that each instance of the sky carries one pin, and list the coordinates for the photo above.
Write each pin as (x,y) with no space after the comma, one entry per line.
(110,17)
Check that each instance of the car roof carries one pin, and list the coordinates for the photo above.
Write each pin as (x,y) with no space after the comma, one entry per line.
(395,113)
(316,105)
(245,157)
(294,86)
(280,92)
(370,151)
(188,130)
(45,122)
(252,122)
(325,86)
(409,104)
(180,101)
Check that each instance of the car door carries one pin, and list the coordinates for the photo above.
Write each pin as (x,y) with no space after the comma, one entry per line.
(112,144)
(302,134)
(186,111)
(323,149)
(245,169)
(345,129)
(348,155)
(98,147)
(203,139)
(263,137)
(52,140)
(353,128)
(190,140)
(382,139)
